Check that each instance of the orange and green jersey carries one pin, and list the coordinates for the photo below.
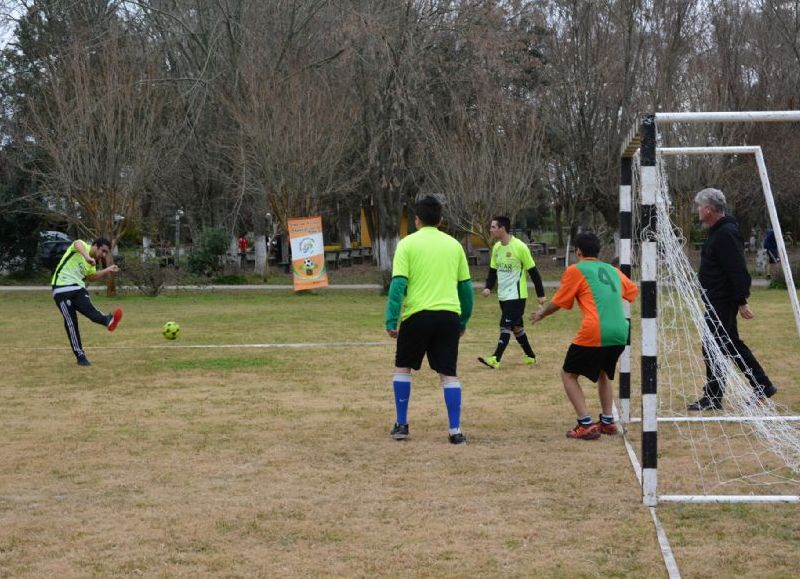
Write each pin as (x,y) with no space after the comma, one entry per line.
(599,289)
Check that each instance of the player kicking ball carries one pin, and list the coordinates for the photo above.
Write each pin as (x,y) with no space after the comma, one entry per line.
(511,258)
(69,290)
(599,289)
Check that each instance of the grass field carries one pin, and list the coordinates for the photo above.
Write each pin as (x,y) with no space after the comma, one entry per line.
(166,460)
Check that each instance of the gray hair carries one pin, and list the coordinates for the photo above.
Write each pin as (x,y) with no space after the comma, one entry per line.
(714,198)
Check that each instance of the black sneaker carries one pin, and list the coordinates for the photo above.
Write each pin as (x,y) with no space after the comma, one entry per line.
(705,403)
(767,392)
(458,438)
(400,431)
(762,394)
(82,361)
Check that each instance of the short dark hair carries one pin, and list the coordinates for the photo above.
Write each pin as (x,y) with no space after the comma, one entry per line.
(101,241)
(588,243)
(503,222)
(429,210)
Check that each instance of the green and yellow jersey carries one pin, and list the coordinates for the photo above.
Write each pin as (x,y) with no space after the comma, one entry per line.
(511,261)
(73,269)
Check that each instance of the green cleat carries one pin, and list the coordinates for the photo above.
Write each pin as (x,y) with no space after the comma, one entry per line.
(490,361)
(529,361)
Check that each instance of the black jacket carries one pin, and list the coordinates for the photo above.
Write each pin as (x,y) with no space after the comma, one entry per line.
(723,268)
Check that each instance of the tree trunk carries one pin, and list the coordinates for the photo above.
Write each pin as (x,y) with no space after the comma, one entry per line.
(111,280)
(384,248)
(147,250)
(559,226)
(260,249)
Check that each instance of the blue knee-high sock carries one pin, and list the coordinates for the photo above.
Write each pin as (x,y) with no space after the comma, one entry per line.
(452,399)
(402,392)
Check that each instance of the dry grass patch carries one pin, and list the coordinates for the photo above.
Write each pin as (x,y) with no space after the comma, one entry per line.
(162,460)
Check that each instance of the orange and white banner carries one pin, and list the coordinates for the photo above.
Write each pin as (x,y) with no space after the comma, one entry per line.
(308,253)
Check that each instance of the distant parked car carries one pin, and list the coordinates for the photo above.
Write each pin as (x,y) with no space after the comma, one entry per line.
(52,245)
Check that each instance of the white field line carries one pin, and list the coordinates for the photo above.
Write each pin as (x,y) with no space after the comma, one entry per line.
(172,346)
(663,542)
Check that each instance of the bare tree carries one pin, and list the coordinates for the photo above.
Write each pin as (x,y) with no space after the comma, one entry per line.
(485,163)
(102,130)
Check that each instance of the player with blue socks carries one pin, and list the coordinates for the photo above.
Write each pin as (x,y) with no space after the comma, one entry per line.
(431,285)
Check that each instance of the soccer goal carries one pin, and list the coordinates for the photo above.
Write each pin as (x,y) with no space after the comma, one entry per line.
(750,452)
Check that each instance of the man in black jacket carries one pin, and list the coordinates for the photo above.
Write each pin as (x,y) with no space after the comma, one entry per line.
(726,286)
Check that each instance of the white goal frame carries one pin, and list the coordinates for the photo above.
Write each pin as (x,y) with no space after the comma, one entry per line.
(644,137)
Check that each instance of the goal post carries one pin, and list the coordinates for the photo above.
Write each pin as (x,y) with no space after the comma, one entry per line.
(642,145)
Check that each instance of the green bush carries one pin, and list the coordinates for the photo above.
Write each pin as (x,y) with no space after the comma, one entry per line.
(206,260)
(230,279)
(779,281)
(148,275)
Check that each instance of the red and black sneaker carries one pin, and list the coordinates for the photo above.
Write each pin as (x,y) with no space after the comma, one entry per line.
(112,325)
(609,428)
(588,432)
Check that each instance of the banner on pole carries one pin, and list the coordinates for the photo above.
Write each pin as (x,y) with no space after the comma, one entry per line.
(308,253)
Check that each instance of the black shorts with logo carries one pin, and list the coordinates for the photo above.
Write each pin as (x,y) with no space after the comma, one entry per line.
(511,313)
(590,361)
(435,333)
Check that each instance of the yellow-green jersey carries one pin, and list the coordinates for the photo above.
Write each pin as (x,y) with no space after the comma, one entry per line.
(434,263)
(73,268)
(512,261)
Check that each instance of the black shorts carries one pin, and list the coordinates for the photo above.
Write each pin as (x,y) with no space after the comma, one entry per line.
(435,333)
(511,313)
(590,361)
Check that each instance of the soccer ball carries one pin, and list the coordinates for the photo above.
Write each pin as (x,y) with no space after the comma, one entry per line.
(171,330)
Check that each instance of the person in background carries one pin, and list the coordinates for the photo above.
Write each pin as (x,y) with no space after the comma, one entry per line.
(243,245)
(511,258)
(771,247)
(726,282)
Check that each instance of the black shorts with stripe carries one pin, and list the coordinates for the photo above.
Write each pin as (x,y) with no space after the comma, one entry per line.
(511,313)
(590,361)
(432,333)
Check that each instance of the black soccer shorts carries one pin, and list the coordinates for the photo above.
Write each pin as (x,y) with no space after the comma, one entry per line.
(432,333)
(512,313)
(590,361)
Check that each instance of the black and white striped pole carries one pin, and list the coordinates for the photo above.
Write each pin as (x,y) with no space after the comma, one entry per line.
(649,301)
(625,231)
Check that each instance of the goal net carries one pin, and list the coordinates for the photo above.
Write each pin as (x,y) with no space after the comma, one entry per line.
(749,450)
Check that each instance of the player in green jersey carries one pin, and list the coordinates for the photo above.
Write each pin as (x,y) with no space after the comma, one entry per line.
(69,290)
(431,283)
(511,258)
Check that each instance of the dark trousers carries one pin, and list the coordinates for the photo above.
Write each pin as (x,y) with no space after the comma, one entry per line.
(69,304)
(733,347)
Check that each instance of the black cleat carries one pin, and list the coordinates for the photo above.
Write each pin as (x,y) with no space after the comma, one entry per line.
(705,403)
(767,392)
(400,431)
(82,361)
(458,438)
